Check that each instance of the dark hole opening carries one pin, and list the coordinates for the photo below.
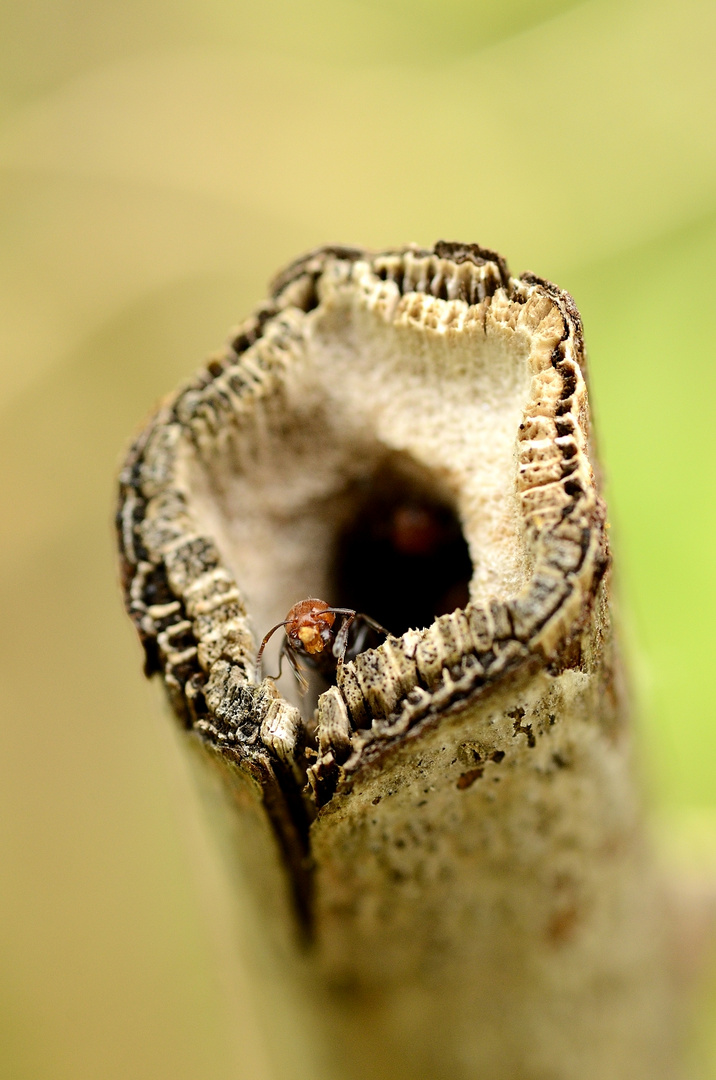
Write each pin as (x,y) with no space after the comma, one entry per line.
(400,556)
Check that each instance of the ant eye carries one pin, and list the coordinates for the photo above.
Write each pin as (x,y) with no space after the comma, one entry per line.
(401,555)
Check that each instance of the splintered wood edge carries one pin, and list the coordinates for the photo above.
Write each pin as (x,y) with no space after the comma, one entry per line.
(188,608)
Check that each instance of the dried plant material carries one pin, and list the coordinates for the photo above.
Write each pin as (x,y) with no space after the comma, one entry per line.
(457,827)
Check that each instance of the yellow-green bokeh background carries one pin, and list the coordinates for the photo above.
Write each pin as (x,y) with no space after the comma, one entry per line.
(159,161)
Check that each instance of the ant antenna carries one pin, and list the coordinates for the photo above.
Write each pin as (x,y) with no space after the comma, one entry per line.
(262,646)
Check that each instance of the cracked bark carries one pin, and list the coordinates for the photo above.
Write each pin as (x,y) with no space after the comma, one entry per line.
(444,859)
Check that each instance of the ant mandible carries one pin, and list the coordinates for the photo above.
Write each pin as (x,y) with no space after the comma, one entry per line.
(312,636)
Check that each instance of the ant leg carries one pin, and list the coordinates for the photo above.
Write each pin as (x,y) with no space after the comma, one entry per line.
(374,625)
(359,639)
(366,624)
(288,652)
(301,679)
(341,643)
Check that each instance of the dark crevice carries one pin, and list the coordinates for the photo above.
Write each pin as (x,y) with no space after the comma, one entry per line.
(245,340)
(565,426)
(311,300)
(442,291)
(517,716)
(569,382)
(400,556)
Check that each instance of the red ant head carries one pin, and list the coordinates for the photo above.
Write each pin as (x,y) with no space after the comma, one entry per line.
(309,626)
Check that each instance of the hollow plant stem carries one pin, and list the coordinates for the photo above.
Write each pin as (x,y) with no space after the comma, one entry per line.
(442,856)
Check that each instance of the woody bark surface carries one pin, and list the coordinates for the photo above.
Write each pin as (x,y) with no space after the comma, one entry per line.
(442,863)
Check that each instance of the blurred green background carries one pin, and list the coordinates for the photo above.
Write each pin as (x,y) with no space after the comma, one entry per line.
(159,162)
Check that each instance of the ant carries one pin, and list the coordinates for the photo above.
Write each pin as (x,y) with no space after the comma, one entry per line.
(312,636)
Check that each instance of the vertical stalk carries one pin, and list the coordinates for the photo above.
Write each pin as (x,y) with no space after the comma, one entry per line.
(444,848)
